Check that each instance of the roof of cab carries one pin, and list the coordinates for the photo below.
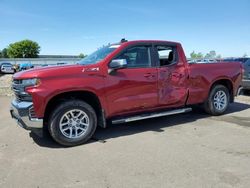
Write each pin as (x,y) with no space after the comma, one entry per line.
(123,41)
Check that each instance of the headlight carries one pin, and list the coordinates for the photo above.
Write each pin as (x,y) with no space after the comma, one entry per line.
(31,82)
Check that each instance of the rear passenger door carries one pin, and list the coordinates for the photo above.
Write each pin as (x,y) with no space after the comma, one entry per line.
(172,76)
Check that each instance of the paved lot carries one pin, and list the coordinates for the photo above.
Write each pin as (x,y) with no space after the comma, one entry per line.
(188,150)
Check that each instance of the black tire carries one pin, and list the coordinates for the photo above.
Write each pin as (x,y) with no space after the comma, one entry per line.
(57,114)
(210,106)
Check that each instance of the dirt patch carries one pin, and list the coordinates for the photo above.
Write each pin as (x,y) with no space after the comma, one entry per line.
(243,98)
(5,80)
(5,85)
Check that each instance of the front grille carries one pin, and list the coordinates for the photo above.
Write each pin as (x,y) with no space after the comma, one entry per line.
(32,113)
(19,91)
(21,98)
(15,81)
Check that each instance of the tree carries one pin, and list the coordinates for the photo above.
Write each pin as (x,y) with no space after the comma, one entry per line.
(244,55)
(194,55)
(23,49)
(212,55)
(81,55)
(218,56)
(199,55)
(3,53)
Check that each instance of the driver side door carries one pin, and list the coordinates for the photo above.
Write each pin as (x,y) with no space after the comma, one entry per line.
(134,88)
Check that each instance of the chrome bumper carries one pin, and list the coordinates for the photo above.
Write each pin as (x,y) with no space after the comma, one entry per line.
(20,111)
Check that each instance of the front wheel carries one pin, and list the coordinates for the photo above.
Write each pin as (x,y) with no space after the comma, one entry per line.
(72,123)
(218,100)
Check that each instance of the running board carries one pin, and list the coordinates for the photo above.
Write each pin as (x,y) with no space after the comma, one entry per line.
(151,115)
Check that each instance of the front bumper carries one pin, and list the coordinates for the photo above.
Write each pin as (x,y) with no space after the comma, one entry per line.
(21,112)
(246,84)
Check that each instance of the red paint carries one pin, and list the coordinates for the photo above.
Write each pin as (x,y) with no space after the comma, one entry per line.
(133,90)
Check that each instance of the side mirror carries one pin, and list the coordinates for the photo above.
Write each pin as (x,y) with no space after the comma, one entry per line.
(118,64)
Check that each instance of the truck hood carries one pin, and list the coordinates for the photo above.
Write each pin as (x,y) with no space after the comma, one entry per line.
(52,71)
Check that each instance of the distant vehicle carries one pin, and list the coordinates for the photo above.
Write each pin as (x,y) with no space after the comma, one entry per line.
(44,65)
(202,61)
(199,61)
(25,66)
(61,63)
(16,67)
(240,59)
(6,68)
(191,61)
(209,60)
(246,75)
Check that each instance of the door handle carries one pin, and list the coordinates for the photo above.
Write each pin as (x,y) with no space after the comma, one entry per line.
(149,75)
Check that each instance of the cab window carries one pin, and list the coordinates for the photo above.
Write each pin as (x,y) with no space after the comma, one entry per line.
(166,55)
(138,56)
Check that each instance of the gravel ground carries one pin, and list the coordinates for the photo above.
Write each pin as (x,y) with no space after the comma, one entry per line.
(5,85)
(244,98)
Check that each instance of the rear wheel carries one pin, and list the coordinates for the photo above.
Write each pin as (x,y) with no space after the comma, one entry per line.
(218,100)
(72,123)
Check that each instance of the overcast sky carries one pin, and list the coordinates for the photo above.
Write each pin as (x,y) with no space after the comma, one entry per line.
(73,27)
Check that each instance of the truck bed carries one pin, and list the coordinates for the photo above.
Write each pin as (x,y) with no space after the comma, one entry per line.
(201,76)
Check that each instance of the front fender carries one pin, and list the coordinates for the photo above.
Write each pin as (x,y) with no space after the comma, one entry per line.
(49,89)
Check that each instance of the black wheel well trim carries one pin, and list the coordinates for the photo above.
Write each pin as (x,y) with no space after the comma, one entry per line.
(86,96)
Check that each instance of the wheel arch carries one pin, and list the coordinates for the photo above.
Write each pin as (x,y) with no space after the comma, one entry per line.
(87,96)
(227,83)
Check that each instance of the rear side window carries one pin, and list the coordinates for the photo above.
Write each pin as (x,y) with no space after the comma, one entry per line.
(138,56)
(167,55)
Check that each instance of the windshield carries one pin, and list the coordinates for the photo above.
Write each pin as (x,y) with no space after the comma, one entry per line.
(98,55)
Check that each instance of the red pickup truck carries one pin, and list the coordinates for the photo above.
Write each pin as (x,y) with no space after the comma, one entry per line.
(122,82)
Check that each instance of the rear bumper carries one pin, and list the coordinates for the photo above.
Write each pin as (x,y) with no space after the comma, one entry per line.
(246,84)
(20,111)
